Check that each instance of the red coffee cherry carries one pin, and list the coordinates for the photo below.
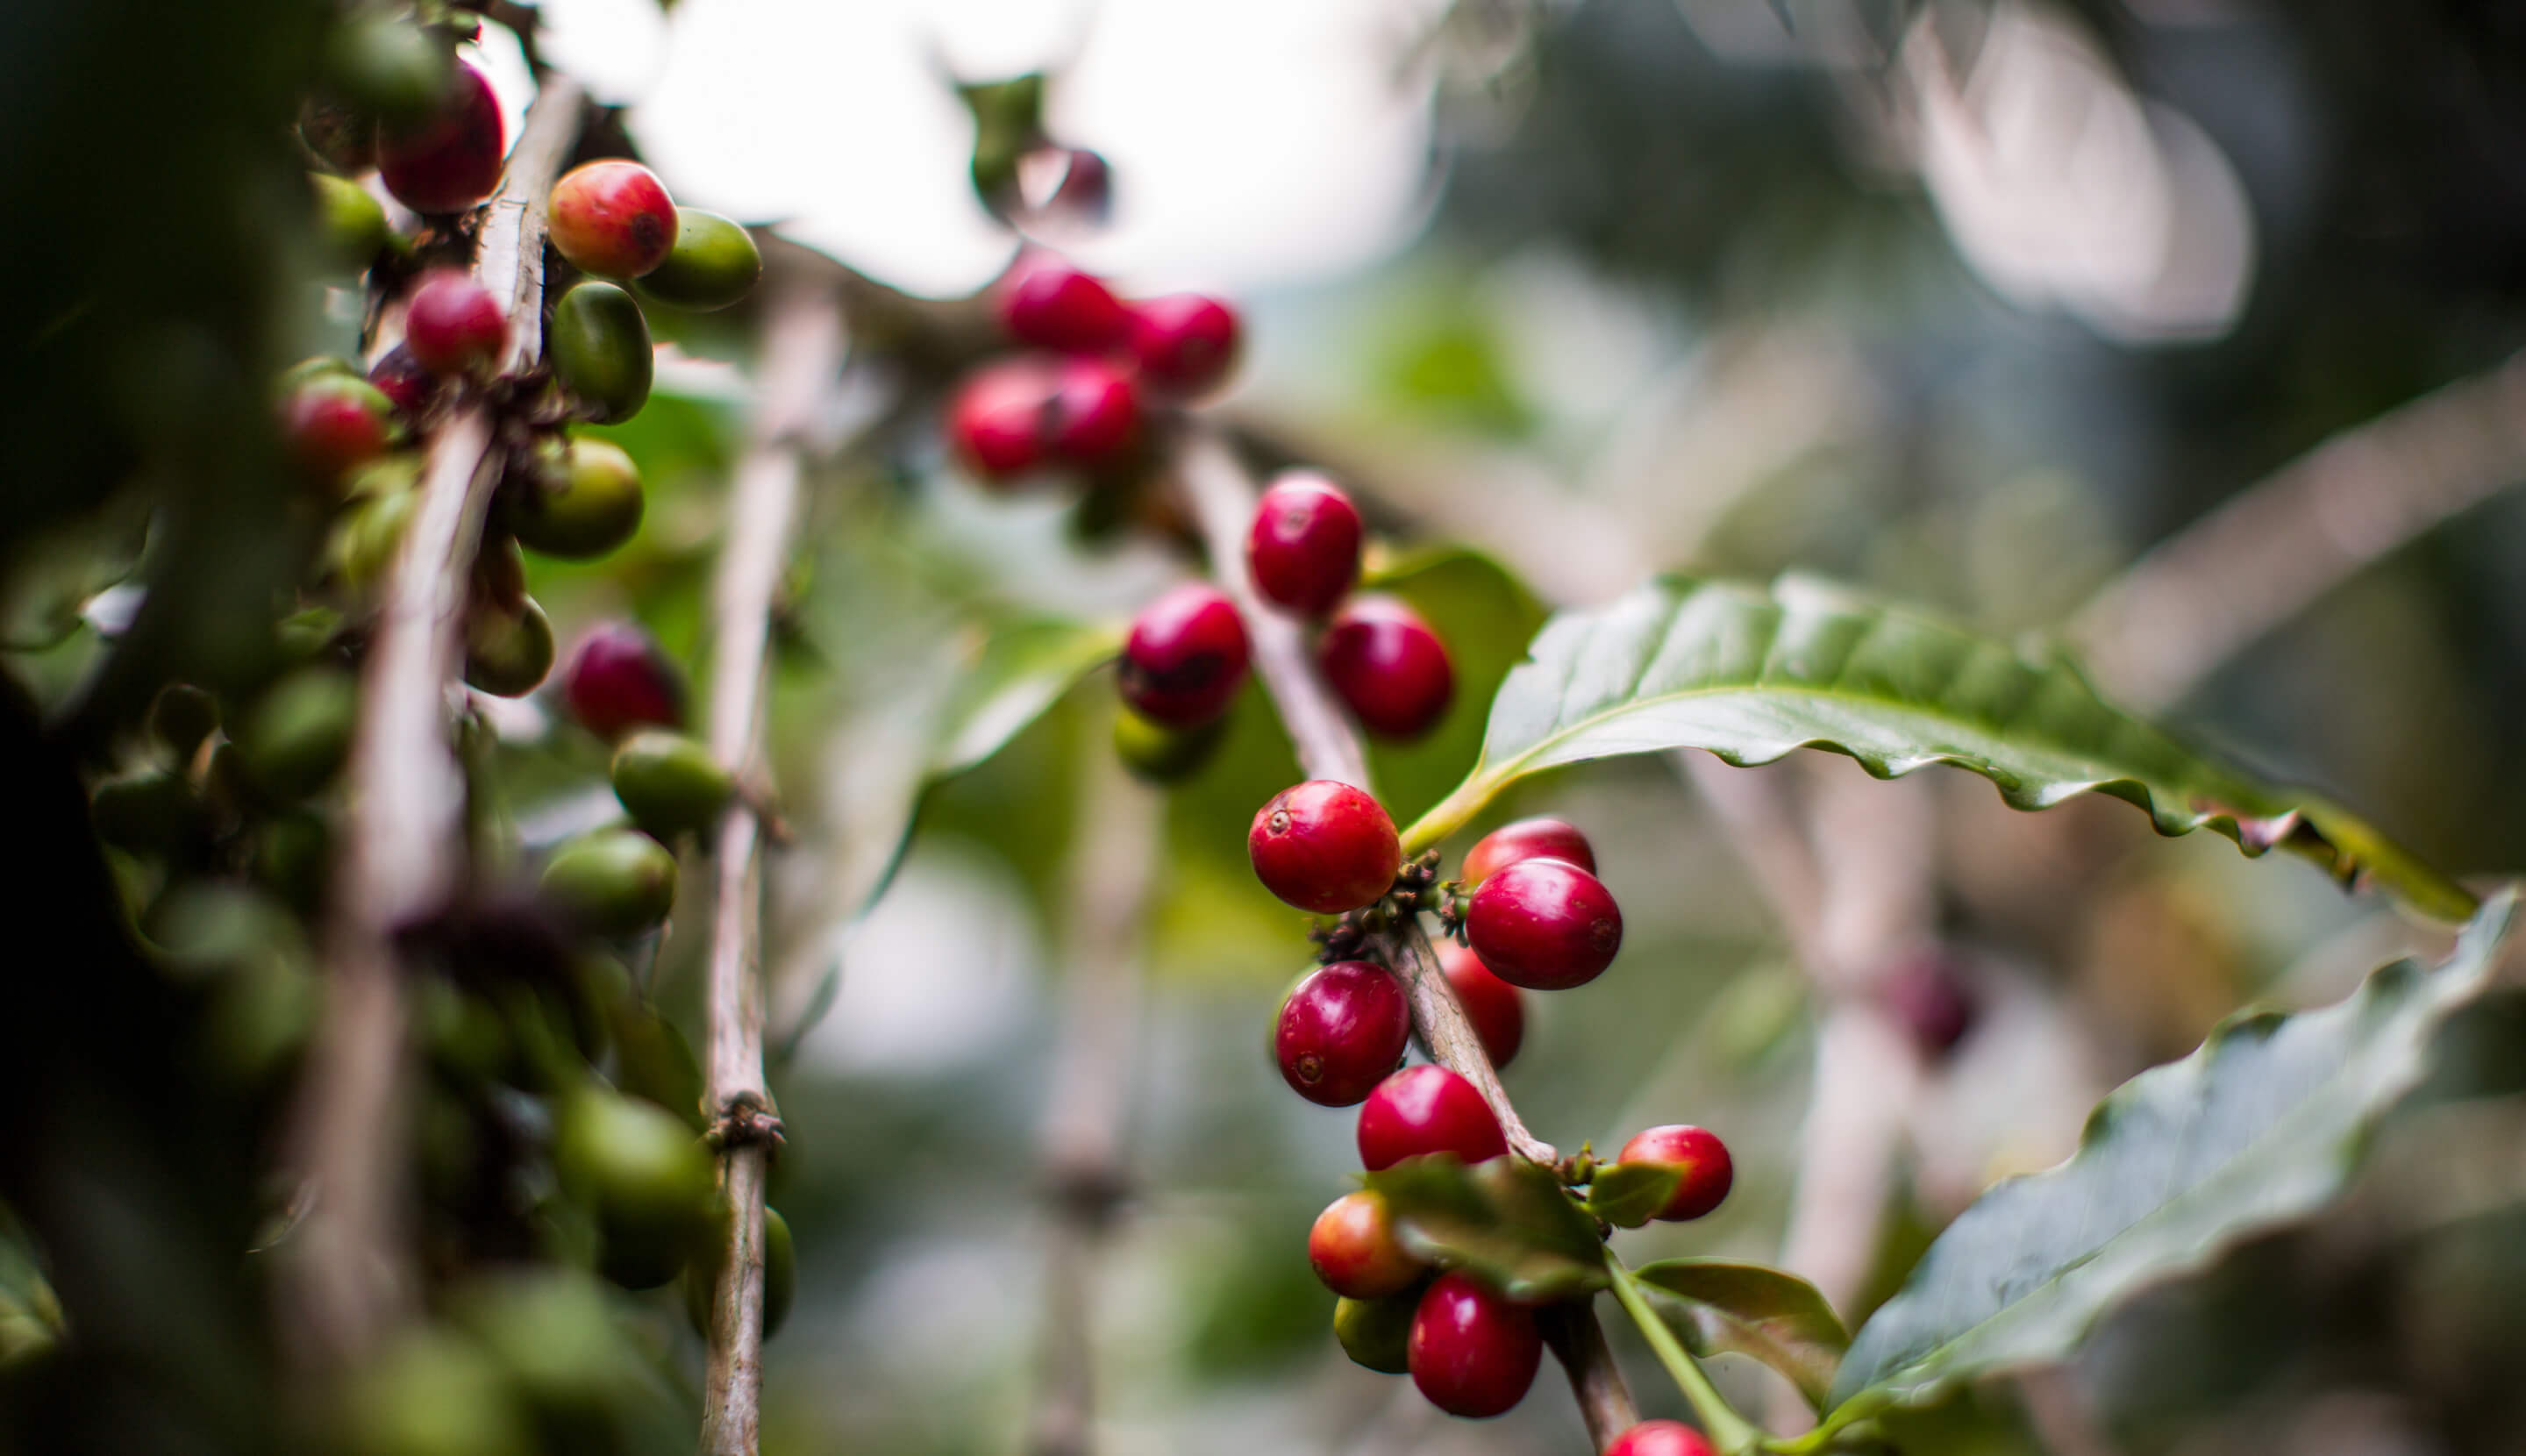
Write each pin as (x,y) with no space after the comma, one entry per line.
(1427,1110)
(612,219)
(1496,1009)
(1341,1031)
(1694,1153)
(1474,1353)
(335,424)
(1303,548)
(995,421)
(452,161)
(1050,304)
(1527,839)
(1184,658)
(454,325)
(400,377)
(1185,343)
(1093,416)
(1355,1252)
(1661,1438)
(1325,846)
(1930,999)
(617,680)
(1387,664)
(1545,925)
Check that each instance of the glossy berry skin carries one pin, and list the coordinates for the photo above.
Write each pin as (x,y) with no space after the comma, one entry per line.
(669,783)
(573,498)
(995,421)
(1377,1334)
(1474,1353)
(1185,657)
(1527,839)
(611,882)
(401,377)
(1341,1031)
(1051,305)
(1093,417)
(1423,1109)
(1355,1252)
(1303,548)
(1387,666)
(454,325)
(1186,343)
(1544,925)
(1698,1154)
(713,264)
(617,680)
(1496,1009)
(1661,1438)
(599,345)
(335,424)
(612,219)
(1325,846)
(452,161)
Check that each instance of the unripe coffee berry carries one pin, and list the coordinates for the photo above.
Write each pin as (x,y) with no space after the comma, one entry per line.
(507,651)
(1354,1250)
(1496,1009)
(612,882)
(612,219)
(1387,666)
(1661,1438)
(576,498)
(1156,753)
(452,161)
(1527,839)
(780,1271)
(1545,925)
(995,420)
(1186,343)
(1325,846)
(1474,1352)
(1377,1334)
(713,264)
(1303,548)
(454,325)
(1697,1155)
(1050,304)
(1341,1031)
(1185,657)
(619,680)
(1093,416)
(600,351)
(350,223)
(1423,1109)
(646,1177)
(669,783)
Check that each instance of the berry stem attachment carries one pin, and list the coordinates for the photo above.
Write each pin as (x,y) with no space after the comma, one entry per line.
(803,352)
(1439,1019)
(1730,1431)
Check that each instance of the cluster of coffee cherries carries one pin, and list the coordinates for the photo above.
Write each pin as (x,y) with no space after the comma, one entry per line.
(1533,916)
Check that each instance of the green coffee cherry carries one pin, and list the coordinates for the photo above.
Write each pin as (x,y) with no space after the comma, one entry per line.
(300,734)
(576,499)
(182,716)
(351,222)
(361,550)
(148,813)
(1376,1332)
(643,1175)
(389,68)
(612,882)
(669,783)
(262,1014)
(713,263)
(507,653)
(551,1331)
(655,1063)
(313,369)
(600,351)
(293,856)
(1158,754)
(433,1393)
(780,1271)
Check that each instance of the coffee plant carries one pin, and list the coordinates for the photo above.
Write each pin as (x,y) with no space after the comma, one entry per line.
(457,764)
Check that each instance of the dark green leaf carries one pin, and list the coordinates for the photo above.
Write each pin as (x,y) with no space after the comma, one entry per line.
(1748,1309)
(1505,1220)
(1630,1194)
(2259,1128)
(1750,673)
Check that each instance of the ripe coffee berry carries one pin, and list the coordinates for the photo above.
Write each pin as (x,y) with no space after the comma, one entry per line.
(1422,1109)
(1093,415)
(1325,846)
(995,421)
(1355,1252)
(617,680)
(452,161)
(1496,1009)
(612,219)
(1185,657)
(1303,548)
(1474,1353)
(1661,1438)
(1341,1031)
(1527,839)
(1186,343)
(335,424)
(1387,664)
(1697,1155)
(400,377)
(1928,997)
(1049,304)
(1545,925)
(454,325)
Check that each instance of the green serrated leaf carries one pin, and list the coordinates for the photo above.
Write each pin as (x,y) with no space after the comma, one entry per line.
(1751,1309)
(1505,1220)
(1750,673)
(1630,1194)
(2260,1127)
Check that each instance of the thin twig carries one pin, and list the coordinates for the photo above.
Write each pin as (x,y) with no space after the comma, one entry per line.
(348,1278)
(803,352)
(1578,1341)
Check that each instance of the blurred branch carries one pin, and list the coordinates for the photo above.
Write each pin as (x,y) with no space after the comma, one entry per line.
(1578,1341)
(2197,599)
(802,351)
(347,1277)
